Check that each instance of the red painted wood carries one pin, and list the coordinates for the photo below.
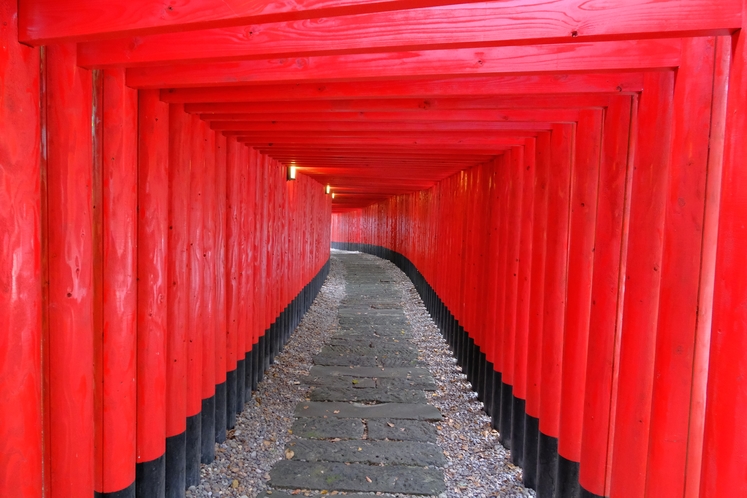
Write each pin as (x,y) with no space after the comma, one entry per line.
(21,445)
(429,88)
(221,326)
(628,55)
(271,120)
(152,288)
(481,24)
(642,282)
(70,260)
(615,177)
(46,21)
(178,294)
(402,105)
(232,254)
(724,453)
(195,263)
(536,299)
(523,292)
(209,318)
(681,266)
(118,341)
(581,237)
(353,126)
(556,261)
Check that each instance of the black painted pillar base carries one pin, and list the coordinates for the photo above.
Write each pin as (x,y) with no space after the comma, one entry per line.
(248,376)
(487,400)
(176,470)
(517,431)
(547,466)
(194,433)
(495,411)
(506,415)
(240,386)
(231,399)
(531,449)
(220,412)
(207,439)
(150,478)
(255,366)
(568,486)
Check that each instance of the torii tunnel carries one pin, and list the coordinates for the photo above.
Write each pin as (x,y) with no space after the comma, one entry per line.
(563,180)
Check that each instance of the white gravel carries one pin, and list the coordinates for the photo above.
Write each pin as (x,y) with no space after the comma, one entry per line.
(477,465)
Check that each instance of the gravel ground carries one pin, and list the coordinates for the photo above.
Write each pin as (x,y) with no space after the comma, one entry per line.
(477,465)
(243,462)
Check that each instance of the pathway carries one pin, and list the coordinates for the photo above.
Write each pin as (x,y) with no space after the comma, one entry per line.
(366,426)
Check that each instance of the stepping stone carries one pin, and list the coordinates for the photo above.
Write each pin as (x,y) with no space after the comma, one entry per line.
(381,373)
(402,430)
(328,428)
(283,494)
(424,383)
(341,382)
(412,411)
(337,360)
(363,395)
(357,477)
(370,452)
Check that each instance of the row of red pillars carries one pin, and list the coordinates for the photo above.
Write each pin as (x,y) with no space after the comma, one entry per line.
(599,270)
(143,259)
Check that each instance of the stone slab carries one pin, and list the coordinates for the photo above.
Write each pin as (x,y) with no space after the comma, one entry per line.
(381,373)
(328,428)
(338,360)
(370,452)
(401,430)
(412,411)
(282,494)
(370,394)
(357,477)
(426,383)
(343,382)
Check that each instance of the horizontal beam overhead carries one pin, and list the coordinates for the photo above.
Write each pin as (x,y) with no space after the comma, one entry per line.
(403,104)
(482,24)
(526,85)
(472,115)
(319,127)
(48,21)
(626,55)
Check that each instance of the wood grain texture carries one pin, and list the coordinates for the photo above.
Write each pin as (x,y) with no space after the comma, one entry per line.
(627,55)
(484,24)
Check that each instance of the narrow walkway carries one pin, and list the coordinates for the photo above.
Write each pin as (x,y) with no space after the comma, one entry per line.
(367,426)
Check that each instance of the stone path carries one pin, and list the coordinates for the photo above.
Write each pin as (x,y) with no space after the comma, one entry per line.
(366,426)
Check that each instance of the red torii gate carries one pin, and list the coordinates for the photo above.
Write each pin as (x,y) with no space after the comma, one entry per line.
(576,170)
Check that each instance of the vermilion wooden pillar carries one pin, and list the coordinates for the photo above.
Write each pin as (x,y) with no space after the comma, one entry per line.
(642,280)
(70,267)
(220,289)
(556,262)
(244,282)
(20,264)
(725,444)
(208,292)
(177,300)
(583,210)
(523,295)
(681,303)
(116,327)
(606,296)
(250,250)
(234,354)
(536,310)
(194,323)
(152,291)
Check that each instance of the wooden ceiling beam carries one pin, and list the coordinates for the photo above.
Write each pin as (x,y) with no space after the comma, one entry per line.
(490,86)
(593,57)
(483,24)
